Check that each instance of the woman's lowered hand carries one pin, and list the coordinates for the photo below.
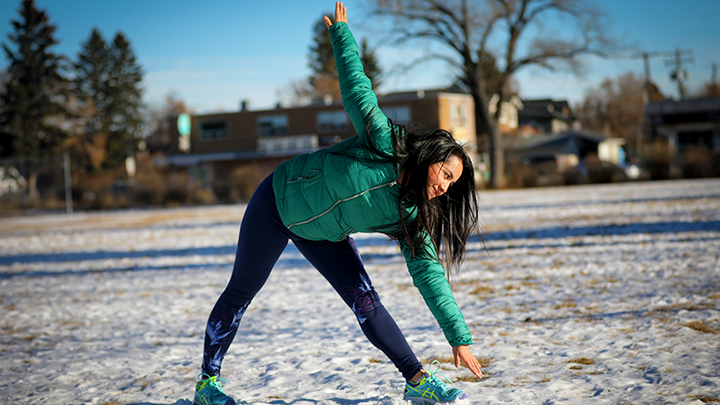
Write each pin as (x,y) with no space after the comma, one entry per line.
(462,355)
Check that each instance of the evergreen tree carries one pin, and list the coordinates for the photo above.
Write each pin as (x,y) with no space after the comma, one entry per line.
(34,98)
(124,102)
(92,73)
(321,60)
(324,79)
(370,63)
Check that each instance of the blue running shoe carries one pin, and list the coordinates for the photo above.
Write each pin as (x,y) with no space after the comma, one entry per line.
(431,390)
(209,391)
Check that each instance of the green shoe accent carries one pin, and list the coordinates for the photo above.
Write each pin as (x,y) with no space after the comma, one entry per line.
(209,391)
(430,389)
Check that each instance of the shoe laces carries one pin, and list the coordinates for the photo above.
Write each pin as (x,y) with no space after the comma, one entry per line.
(435,380)
(214,382)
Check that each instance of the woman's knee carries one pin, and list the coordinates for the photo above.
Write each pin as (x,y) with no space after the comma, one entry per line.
(364,303)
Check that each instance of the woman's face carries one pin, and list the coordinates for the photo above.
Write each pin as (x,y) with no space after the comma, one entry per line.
(442,175)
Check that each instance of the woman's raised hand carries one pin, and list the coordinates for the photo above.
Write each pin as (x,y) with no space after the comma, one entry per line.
(340,15)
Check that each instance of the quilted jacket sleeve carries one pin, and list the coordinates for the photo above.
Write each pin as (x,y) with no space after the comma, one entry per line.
(358,98)
(429,277)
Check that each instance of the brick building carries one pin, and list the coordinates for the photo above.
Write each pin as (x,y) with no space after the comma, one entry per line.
(232,152)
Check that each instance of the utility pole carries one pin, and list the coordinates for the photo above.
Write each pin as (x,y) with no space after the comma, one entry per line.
(679,58)
(647,95)
(646,60)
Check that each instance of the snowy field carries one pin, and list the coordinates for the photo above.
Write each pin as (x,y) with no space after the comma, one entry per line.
(603,294)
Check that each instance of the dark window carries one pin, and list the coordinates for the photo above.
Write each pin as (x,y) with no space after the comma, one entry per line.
(272,125)
(214,130)
(332,121)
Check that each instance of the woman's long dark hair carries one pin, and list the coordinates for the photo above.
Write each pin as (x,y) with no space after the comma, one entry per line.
(449,219)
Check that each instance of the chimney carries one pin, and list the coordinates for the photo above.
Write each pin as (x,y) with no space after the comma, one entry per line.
(244,105)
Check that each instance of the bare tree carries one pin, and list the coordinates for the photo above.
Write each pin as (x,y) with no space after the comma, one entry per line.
(507,28)
(615,108)
(295,93)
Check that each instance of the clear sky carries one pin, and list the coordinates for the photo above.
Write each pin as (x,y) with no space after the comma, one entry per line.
(214,53)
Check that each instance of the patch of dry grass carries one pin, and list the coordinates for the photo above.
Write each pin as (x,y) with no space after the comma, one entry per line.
(705,399)
(483,290)
(469,378)
(701,326)
(582,360)
(568,303)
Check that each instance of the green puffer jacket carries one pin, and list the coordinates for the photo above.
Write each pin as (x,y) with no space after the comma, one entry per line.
(344,189)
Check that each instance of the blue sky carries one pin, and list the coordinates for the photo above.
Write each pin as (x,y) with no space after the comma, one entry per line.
(213,54)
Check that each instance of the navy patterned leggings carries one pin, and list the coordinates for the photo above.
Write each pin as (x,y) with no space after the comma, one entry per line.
(263,238)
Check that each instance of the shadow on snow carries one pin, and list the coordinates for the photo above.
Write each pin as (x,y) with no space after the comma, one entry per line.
(291,258)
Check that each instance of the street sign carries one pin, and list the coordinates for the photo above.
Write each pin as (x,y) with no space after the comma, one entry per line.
(183,124)
(184,128)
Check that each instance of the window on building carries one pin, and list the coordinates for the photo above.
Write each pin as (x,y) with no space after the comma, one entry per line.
(213,130)
(399,114)
(458,116)
(293,143)
(332,121)
(272,125)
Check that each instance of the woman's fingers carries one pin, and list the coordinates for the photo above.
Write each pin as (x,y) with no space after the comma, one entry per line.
(473,365)
(340,12)
(340,15)
(462,354)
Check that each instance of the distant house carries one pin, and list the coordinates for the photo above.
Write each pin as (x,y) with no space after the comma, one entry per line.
(229,148)
(566,149)
(691,129)
(686,123)
(546,116)
(508,121)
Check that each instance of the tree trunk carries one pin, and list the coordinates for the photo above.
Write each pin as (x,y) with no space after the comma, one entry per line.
(486,125)
(32,188)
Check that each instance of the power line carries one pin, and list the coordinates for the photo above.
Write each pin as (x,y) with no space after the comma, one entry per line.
(646,60)
(678,59)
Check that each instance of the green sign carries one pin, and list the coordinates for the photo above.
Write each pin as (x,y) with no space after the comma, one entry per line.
(183,124)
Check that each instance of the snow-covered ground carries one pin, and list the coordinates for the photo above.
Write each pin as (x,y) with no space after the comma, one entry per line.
(603,294)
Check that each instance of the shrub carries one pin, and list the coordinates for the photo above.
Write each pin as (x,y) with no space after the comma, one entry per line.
(697,161)
(603,172)
(655,158)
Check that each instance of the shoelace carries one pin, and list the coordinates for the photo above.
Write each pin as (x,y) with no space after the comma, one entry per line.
(214,382)
(436,380)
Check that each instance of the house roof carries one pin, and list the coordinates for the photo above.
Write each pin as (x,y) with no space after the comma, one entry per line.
(677,107)
(552,141)
(546,108)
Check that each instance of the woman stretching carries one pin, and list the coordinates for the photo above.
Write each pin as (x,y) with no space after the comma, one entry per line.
(417,189)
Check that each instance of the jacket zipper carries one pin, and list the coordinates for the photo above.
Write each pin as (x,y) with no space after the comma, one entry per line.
(391,184)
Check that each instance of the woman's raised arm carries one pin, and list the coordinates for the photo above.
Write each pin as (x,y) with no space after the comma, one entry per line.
(358,98)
